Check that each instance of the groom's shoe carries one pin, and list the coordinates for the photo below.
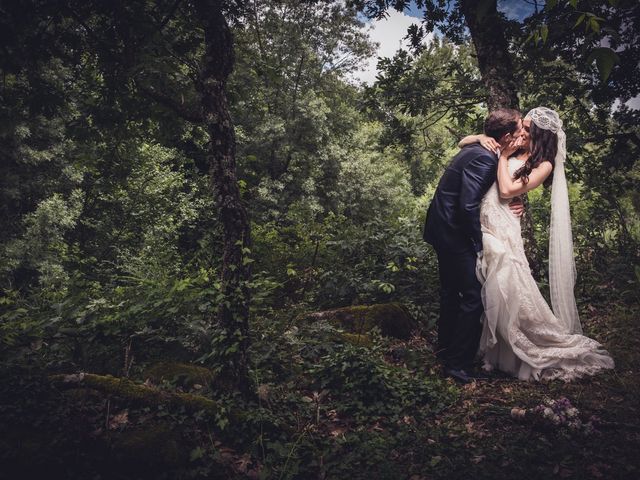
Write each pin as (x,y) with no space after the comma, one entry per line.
(458,374)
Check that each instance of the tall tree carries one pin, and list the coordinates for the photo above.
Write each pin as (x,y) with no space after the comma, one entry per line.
(151,48)
(217,64)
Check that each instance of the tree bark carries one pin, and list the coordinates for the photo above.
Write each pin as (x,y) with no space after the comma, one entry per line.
(492,51)
(496,69)
(233,314)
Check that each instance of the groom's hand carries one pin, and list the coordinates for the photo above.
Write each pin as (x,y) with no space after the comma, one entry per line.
(517,206)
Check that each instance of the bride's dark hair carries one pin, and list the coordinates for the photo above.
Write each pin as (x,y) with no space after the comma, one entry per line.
(545,147)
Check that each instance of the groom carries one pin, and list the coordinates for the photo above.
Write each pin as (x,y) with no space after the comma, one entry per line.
(453,228)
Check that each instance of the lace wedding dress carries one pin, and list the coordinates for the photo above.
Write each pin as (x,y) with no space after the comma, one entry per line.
(521,336)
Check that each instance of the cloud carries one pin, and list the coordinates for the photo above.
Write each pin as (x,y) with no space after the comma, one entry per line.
(518,9)
(388,33)
(632,103)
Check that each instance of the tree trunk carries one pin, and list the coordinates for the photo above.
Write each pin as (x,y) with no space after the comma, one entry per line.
(492,51)
(496,69)
(233,314)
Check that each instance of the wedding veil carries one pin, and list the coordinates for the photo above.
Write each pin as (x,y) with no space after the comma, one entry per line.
(562,267)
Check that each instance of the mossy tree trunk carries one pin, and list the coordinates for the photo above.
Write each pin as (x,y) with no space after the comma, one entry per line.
(139,394)
(232,316)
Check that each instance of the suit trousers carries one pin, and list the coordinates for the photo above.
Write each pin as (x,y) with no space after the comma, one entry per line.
(459,325)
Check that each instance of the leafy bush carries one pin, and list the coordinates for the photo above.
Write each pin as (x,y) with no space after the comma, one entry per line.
(364,385)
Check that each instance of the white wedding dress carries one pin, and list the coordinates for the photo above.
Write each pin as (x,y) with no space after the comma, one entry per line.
(521,336)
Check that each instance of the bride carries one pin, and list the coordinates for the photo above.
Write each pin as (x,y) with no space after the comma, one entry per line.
(521,335)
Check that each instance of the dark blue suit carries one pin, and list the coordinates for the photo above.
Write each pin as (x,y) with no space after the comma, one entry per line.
(453,228)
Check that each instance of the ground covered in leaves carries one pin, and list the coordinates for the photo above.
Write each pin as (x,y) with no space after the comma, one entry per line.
(327,409)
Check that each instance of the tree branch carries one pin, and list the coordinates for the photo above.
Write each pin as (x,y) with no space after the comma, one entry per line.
(453,132)
(106,48)
(169,15)
(633,136)
(189,114)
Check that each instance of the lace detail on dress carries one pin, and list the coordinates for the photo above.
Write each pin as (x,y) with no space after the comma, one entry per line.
(521,335)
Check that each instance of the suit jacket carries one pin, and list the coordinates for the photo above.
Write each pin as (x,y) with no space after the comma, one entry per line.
(453,218)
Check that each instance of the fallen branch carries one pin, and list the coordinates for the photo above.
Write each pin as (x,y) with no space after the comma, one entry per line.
(142,394)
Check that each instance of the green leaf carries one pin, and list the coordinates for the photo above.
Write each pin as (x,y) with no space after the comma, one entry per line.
(551,4)
(594,25)
(605,59)
(196,453)
(574,3)
(222,423)
(529,38)
(579,21)
(544,33)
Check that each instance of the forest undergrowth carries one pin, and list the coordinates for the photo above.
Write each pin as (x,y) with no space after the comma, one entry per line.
(325,408)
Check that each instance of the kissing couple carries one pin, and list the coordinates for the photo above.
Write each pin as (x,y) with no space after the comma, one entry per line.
(490,304)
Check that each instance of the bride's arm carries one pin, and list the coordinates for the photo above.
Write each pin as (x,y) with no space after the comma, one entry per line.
(507,186)
(484,140)
(510,188)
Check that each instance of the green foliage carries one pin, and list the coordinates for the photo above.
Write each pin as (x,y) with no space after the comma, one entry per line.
(594,28)
(294,112)
(110,250)
(362,260)
(368,386)
(341,399)
(91,327)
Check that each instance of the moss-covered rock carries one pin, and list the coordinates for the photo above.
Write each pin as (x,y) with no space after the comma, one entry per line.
(183,374)
(393,319)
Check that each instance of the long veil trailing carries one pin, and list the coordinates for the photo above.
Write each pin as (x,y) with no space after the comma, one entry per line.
(562,267)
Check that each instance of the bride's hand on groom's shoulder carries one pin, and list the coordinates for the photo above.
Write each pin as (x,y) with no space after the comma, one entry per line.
(484,140)
(488,143)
